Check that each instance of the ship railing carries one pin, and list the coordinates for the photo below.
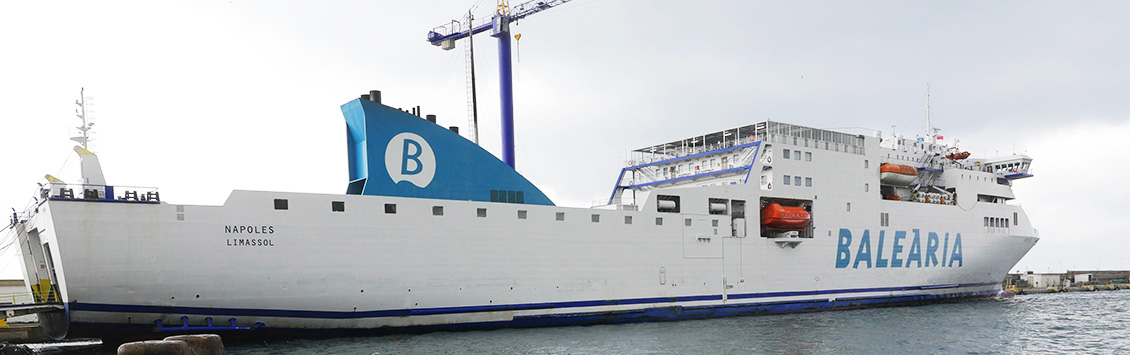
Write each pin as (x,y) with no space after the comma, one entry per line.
(640,157)
(104,193)
(47,296)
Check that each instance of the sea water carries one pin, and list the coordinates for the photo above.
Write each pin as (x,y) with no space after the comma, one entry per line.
(1080,322)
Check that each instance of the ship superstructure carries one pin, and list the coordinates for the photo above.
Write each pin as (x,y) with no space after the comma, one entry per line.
(435,233)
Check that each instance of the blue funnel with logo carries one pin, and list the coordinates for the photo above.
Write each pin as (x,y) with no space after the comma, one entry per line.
(394,153)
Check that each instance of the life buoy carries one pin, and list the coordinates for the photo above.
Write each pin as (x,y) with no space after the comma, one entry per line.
(751,139)
(769,186)
(769,160)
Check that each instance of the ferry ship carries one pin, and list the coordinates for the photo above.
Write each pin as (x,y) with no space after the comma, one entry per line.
(433,232)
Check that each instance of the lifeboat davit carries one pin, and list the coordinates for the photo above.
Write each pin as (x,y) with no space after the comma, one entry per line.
(784,218)
(897,174)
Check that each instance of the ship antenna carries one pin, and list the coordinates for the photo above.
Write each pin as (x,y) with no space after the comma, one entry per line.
(84,129)
(929,126)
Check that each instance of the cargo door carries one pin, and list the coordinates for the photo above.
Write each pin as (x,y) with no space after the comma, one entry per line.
(49,288)
(737,218)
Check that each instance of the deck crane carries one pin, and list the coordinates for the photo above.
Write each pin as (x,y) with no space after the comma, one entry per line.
(445,36)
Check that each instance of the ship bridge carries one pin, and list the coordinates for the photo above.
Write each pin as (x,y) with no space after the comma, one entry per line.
(719,158)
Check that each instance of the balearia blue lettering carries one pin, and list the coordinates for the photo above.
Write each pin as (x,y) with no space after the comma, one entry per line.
(914,253)
(932,249)
(879,261)
(956,251)
(843,255)
(897,248)
(864,253)
(945,249)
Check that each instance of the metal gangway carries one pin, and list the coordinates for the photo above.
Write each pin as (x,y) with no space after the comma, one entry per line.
(24,303)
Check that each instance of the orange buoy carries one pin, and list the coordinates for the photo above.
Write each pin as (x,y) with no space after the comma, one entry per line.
(777,217)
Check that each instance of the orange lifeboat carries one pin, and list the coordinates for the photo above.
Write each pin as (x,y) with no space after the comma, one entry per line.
(897,174)
(957,156)
(777,217)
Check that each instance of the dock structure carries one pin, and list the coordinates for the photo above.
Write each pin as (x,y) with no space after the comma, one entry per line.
(1069,281)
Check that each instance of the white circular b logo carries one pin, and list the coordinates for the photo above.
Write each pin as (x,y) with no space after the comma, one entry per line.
(408,157)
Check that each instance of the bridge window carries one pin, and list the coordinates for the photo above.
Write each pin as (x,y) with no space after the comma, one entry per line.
(337,206)
(281,204)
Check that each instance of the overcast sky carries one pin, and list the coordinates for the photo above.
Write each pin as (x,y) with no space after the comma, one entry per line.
(201,97)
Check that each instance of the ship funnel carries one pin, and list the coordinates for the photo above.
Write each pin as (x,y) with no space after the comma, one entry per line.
(375,96)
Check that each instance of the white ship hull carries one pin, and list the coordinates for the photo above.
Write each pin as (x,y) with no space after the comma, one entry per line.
(127,267)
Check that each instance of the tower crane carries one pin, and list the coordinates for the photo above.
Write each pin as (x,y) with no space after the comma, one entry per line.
(445,36)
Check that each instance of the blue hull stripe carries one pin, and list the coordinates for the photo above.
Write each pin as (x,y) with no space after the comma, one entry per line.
(666,313)
(102,307)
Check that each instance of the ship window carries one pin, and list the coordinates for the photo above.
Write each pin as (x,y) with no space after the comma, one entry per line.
(865,162)
(595,218)
(796,180)
(521,214)
(796,155)
(788,179)
(986,221)
(437,210)
(1015,219)
(849,206)
(714,223)
(659,221)
(866,187)
(786,153)
(627,219)
(482,212)
(560,216)
(337,206)
(390,208)
(884,220)
(281,204)
(808,182)
(807,156)
(687,222)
